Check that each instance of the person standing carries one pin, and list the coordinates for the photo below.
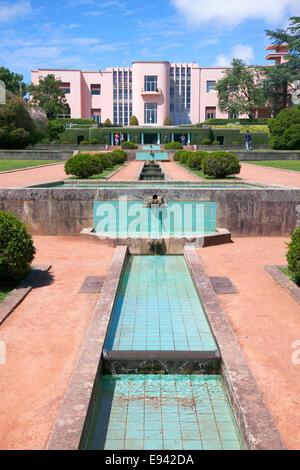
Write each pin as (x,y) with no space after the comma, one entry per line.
(121,139)
(182,138)
(248,140)
(116,139)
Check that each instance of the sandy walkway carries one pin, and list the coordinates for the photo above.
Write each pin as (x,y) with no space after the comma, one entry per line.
(33,176)
(129,172)
(178,173)
(266,321)
(43,338)
(262,174)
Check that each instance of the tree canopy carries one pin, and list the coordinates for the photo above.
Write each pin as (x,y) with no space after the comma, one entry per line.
(13,82)
(240,90)
(49,96)
(289,36)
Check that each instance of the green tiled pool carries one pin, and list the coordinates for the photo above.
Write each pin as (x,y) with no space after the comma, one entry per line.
(168,412)
(158,308)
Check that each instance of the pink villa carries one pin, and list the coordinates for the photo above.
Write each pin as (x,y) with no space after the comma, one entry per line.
(151,91)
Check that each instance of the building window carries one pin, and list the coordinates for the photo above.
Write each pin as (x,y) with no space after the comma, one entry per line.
(233,116)
(210,84)
(95,89)
(150,83)
(150,113)
(210,113)
(66,87)
(96,114)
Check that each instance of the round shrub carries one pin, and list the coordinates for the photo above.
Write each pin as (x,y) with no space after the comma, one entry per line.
(184,156)
(64,142)
(205,142)
(16,249)
(83,165)
(19,138)
(84,142)
(118,157)
(195,159)
(177,155)
(293,256)
(285,129)
(220,164)
(215,142)
(94,141)
(106,160)
(173,146)
(129,145)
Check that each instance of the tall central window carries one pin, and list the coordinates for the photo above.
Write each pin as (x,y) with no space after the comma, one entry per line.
(150,83)
(150,113)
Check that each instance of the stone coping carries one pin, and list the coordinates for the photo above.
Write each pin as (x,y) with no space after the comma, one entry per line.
(8,305)
(284,281)
(253,417)
(164,245)
(73,420)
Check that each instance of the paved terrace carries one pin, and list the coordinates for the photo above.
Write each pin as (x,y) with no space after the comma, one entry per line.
(44,334)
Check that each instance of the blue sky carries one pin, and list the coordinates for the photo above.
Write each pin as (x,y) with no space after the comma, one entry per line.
(95,34)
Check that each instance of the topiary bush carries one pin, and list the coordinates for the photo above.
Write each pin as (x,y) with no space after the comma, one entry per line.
(94,141)
(220,164)
(293,256)
(106,160)
(118,157)
(195,159)
(129,145)
(133,121)
(173,145)
(177,155)
(16,249)
(205,142)
(184,156)
(285,129)
(83,165)
(84,142)
(215,142)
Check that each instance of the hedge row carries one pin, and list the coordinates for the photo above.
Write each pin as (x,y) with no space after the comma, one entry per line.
(226,137)
(86,165)
(217,164)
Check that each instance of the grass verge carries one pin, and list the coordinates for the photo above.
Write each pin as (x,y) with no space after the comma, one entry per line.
(7,165)
(293,165)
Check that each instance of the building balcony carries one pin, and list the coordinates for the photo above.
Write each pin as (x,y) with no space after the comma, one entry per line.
(155,92)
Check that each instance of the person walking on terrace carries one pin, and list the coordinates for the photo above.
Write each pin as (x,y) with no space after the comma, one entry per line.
(248,140)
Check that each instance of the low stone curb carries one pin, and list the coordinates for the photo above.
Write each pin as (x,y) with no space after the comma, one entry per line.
(284,281)
(22,290)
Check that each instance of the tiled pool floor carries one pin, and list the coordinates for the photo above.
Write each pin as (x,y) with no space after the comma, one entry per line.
(154,412)
(158,308)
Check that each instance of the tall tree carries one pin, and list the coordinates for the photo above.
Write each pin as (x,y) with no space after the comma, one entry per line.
(49,96)
(291,37)
(13,82)
(240,91)
(277,91)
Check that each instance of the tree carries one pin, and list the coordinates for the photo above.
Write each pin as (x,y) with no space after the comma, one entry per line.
(291,37)
(107,122)
(133,121)
(285,129)
(13,82)
(17,128)
(49,96)
(277,92)
(240,91)
(167,121)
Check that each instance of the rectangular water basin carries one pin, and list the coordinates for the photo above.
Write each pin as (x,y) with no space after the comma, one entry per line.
(158,308)
(163,412)
(148,156)
(150,147)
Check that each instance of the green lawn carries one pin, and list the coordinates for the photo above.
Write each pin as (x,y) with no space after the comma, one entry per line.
(205,177)
(283,164)
(6,165)
(4,292)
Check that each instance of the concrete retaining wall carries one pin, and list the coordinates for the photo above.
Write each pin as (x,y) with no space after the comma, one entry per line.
(35,154)
(244,212)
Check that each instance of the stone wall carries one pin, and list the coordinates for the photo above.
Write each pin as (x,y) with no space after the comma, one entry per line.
(35,154)
(244,212)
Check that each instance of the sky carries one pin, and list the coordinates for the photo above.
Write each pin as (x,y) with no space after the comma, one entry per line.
(95,34)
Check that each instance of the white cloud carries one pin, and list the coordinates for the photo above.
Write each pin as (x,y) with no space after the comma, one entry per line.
(229,13)
(10,12)
(239,51)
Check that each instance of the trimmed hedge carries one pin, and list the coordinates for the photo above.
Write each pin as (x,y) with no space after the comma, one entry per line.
(173,145)
(83,165)
(220,164)
(195,159)
(293,256)
(234,121)
(16,249)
